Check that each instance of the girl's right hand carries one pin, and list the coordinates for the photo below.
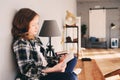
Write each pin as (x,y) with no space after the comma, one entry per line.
(60,67)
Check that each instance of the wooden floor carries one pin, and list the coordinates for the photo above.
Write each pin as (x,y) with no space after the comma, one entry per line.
(108,60)
(89,70)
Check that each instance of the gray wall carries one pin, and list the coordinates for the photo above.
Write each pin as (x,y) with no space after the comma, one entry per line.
(113,15)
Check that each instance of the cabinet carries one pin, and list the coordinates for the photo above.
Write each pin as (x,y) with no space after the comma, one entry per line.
(72,39)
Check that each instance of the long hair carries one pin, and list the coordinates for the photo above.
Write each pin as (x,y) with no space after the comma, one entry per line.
(20,24)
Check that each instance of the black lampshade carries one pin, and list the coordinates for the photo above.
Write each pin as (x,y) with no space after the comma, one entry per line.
(49,29)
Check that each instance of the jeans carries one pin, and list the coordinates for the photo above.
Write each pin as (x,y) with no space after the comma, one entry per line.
(67,75)
(71,64)
(60,76)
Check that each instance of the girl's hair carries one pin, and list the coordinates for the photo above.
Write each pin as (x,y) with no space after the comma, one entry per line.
(20,24)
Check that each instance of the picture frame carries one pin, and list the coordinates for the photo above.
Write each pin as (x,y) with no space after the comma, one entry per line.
(114,42)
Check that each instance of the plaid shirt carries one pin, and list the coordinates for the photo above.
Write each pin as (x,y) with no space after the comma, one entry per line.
(29,63)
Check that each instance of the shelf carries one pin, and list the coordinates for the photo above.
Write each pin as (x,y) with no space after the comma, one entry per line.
(72,39)
(71,42)
(71,26)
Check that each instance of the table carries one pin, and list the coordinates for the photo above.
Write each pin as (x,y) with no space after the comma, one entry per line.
(90,70)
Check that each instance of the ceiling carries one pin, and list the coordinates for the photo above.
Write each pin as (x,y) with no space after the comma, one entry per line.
(98,0)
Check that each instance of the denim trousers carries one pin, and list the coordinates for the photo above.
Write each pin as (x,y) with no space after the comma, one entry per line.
(67,75)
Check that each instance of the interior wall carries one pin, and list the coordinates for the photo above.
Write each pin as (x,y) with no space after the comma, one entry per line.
(48,9)
(83,10)
(113,16)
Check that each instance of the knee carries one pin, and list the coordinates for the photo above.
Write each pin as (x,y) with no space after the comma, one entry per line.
(73,76)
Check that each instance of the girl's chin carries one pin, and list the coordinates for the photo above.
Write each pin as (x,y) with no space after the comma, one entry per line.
(36,34)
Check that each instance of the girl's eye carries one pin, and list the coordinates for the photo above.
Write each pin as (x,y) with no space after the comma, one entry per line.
(35,24)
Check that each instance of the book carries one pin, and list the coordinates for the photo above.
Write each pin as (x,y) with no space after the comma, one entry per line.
(68,56)
(61,53)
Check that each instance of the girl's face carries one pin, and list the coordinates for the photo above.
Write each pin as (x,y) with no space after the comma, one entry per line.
(34,26)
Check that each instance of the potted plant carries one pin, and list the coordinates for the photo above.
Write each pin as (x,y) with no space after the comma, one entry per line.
(83,30)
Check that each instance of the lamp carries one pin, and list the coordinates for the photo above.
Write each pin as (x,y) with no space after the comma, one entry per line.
(49,29)
(112,26)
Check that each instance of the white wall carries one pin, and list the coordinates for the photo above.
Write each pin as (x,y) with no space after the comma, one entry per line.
(97,23)
(48,9)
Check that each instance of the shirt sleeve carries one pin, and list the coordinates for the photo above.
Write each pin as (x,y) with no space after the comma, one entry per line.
(26,65)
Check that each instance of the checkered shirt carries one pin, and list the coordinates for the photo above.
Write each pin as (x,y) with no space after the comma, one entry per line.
(27,57)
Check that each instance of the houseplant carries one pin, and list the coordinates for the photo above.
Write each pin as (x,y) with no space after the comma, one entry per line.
(83,30)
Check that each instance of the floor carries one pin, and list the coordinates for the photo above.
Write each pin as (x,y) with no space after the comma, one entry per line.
(107,59)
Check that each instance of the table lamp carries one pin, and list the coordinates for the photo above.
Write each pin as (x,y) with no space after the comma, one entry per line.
(50,29)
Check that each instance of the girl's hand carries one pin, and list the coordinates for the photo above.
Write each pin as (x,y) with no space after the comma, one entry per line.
(60,67)
(62,57)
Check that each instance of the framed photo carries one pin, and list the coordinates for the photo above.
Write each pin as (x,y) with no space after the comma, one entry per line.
(114,42)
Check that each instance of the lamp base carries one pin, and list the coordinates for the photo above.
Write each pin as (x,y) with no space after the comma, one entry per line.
(52,57)
(50,51)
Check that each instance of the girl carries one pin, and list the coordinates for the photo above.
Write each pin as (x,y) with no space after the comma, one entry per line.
(28,50)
